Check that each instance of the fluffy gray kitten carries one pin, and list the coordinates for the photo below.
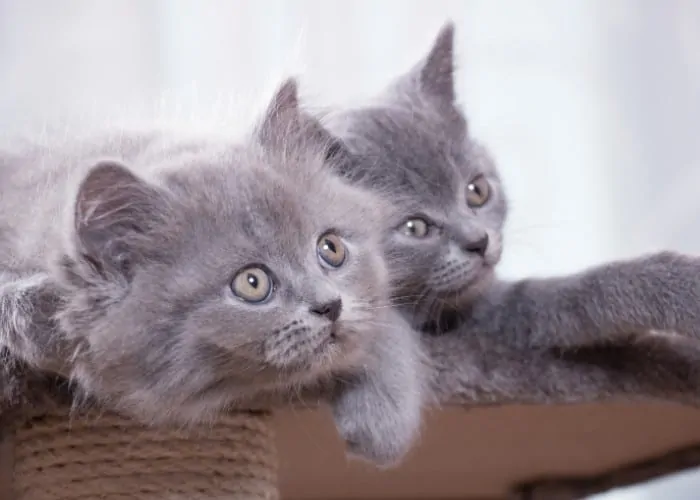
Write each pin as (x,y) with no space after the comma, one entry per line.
(445,239)
(180,276)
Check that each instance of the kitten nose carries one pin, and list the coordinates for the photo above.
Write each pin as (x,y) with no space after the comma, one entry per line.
(477,246)
(330,310)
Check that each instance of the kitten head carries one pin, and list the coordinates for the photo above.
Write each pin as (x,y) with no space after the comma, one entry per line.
(414,147)
(234,271)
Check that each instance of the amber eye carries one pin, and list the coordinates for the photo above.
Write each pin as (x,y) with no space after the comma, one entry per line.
(478,192)
(415,228)
(252,284)
(331,250)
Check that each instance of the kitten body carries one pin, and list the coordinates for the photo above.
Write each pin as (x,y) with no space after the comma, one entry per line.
(444,240)
(142,244)
(478,370)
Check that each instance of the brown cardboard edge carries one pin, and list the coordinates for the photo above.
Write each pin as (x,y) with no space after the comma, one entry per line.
(572,488)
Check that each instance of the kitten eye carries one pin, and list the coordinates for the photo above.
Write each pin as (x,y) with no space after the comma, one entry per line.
(252,284)
(478,192)
(415,228)
(331,250)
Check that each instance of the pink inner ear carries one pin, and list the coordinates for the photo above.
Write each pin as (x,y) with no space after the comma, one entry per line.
(112,201)
(108,192)
(107,188)
(115,213)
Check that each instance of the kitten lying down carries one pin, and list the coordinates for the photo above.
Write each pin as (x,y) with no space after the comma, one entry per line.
(499,343)
(192,275)
(444,240)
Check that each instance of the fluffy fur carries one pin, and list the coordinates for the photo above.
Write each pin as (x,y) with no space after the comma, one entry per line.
(478,370)
(142,236)
(413,147)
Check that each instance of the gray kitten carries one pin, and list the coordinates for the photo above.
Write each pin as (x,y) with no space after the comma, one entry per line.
(188,275)
(445,239)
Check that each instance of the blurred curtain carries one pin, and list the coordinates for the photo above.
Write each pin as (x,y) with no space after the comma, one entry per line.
(591,107)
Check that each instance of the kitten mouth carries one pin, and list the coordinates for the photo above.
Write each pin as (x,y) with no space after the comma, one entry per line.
(341,345)
(465,282)
(330,342)
(476,287)
(331,347)
(323,347)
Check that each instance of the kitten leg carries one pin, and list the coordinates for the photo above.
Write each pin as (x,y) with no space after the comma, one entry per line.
(658,292)
(378,412)
(27,329)
(32,352)
(476,369)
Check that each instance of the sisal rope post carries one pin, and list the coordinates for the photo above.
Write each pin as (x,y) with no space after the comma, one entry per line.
(60,456)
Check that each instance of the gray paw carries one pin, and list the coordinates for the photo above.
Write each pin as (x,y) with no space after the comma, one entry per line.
(28,304)
(377,428)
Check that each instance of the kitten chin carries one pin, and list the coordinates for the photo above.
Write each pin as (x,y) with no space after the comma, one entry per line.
(473,290)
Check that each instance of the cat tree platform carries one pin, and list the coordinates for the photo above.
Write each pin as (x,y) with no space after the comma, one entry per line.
(487,453)
(484,445)
(56,455)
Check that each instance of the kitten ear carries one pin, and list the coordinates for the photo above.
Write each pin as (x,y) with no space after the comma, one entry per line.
(285,121)
(436,72)
(282,114)
(114,212)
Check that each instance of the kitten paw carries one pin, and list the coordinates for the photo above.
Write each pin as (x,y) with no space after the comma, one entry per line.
(673,291)
(28,304)
(19,298)
(377,429)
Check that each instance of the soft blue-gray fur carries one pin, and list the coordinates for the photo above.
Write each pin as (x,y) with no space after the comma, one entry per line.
(532,339)
(124,247)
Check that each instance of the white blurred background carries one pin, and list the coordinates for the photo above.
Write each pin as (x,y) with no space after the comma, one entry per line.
(591,107)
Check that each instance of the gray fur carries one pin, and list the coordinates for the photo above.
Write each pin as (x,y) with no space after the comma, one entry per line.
(413,146)
(142,233)
(480,370)
(28,329)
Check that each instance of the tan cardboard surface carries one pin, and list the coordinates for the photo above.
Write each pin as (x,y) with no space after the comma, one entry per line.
(479,453)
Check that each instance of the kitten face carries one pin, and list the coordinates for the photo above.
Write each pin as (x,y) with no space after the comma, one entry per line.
(227,278)
(415,149)
(299,269)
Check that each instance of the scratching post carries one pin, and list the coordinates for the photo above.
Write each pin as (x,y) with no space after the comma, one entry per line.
(59,455)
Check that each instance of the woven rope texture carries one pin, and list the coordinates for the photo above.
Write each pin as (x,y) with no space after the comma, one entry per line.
(57,457)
